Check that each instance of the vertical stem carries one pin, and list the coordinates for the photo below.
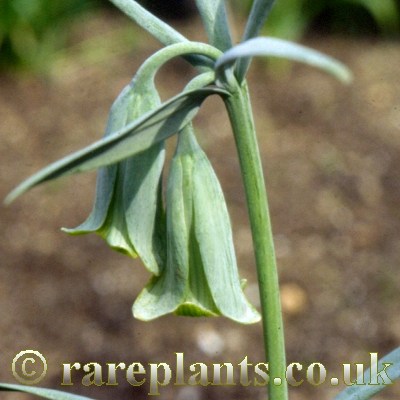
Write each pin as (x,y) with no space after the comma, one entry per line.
(240,114)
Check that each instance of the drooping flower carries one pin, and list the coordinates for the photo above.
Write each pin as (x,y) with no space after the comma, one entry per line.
(200,277)
(128,210)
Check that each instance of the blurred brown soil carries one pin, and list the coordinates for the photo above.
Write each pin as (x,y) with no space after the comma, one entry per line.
(332,163)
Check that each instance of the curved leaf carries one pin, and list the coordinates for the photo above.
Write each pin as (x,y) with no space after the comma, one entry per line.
(42,392)
(272,47)
(364,392)
(213,14)
(137,136)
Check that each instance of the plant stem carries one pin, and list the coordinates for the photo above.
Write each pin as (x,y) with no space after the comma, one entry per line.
(240,114)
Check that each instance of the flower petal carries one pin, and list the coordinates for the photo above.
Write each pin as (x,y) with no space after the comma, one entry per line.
(128,211)
(214,235)
(200,277)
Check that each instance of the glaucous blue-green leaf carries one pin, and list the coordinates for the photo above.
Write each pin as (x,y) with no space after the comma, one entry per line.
(272,47)
(144,131)
(128,211)
(157,28)
(42,392)
(374,382)
(259,12)
(215,21)
(258,15)
(153,127)
(200,277)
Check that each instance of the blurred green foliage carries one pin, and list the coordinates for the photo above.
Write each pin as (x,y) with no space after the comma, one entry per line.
(291,19)
(31,30)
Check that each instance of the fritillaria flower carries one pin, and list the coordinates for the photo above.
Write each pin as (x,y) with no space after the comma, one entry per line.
(200,277)
(127,211)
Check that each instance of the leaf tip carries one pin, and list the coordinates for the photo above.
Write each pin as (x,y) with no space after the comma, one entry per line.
(10,198)
(342,73)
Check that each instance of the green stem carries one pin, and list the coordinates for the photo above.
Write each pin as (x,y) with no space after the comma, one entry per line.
(150,67)
(240,114)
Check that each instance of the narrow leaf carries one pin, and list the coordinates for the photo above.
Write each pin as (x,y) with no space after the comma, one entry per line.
(213,14)
(144,132)
(372,379)
(42,392)
(157,28)
(272,47)
(148,21)
(258,15)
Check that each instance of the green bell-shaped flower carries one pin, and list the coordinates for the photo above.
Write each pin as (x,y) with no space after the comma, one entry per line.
(128,211)
(200,277)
